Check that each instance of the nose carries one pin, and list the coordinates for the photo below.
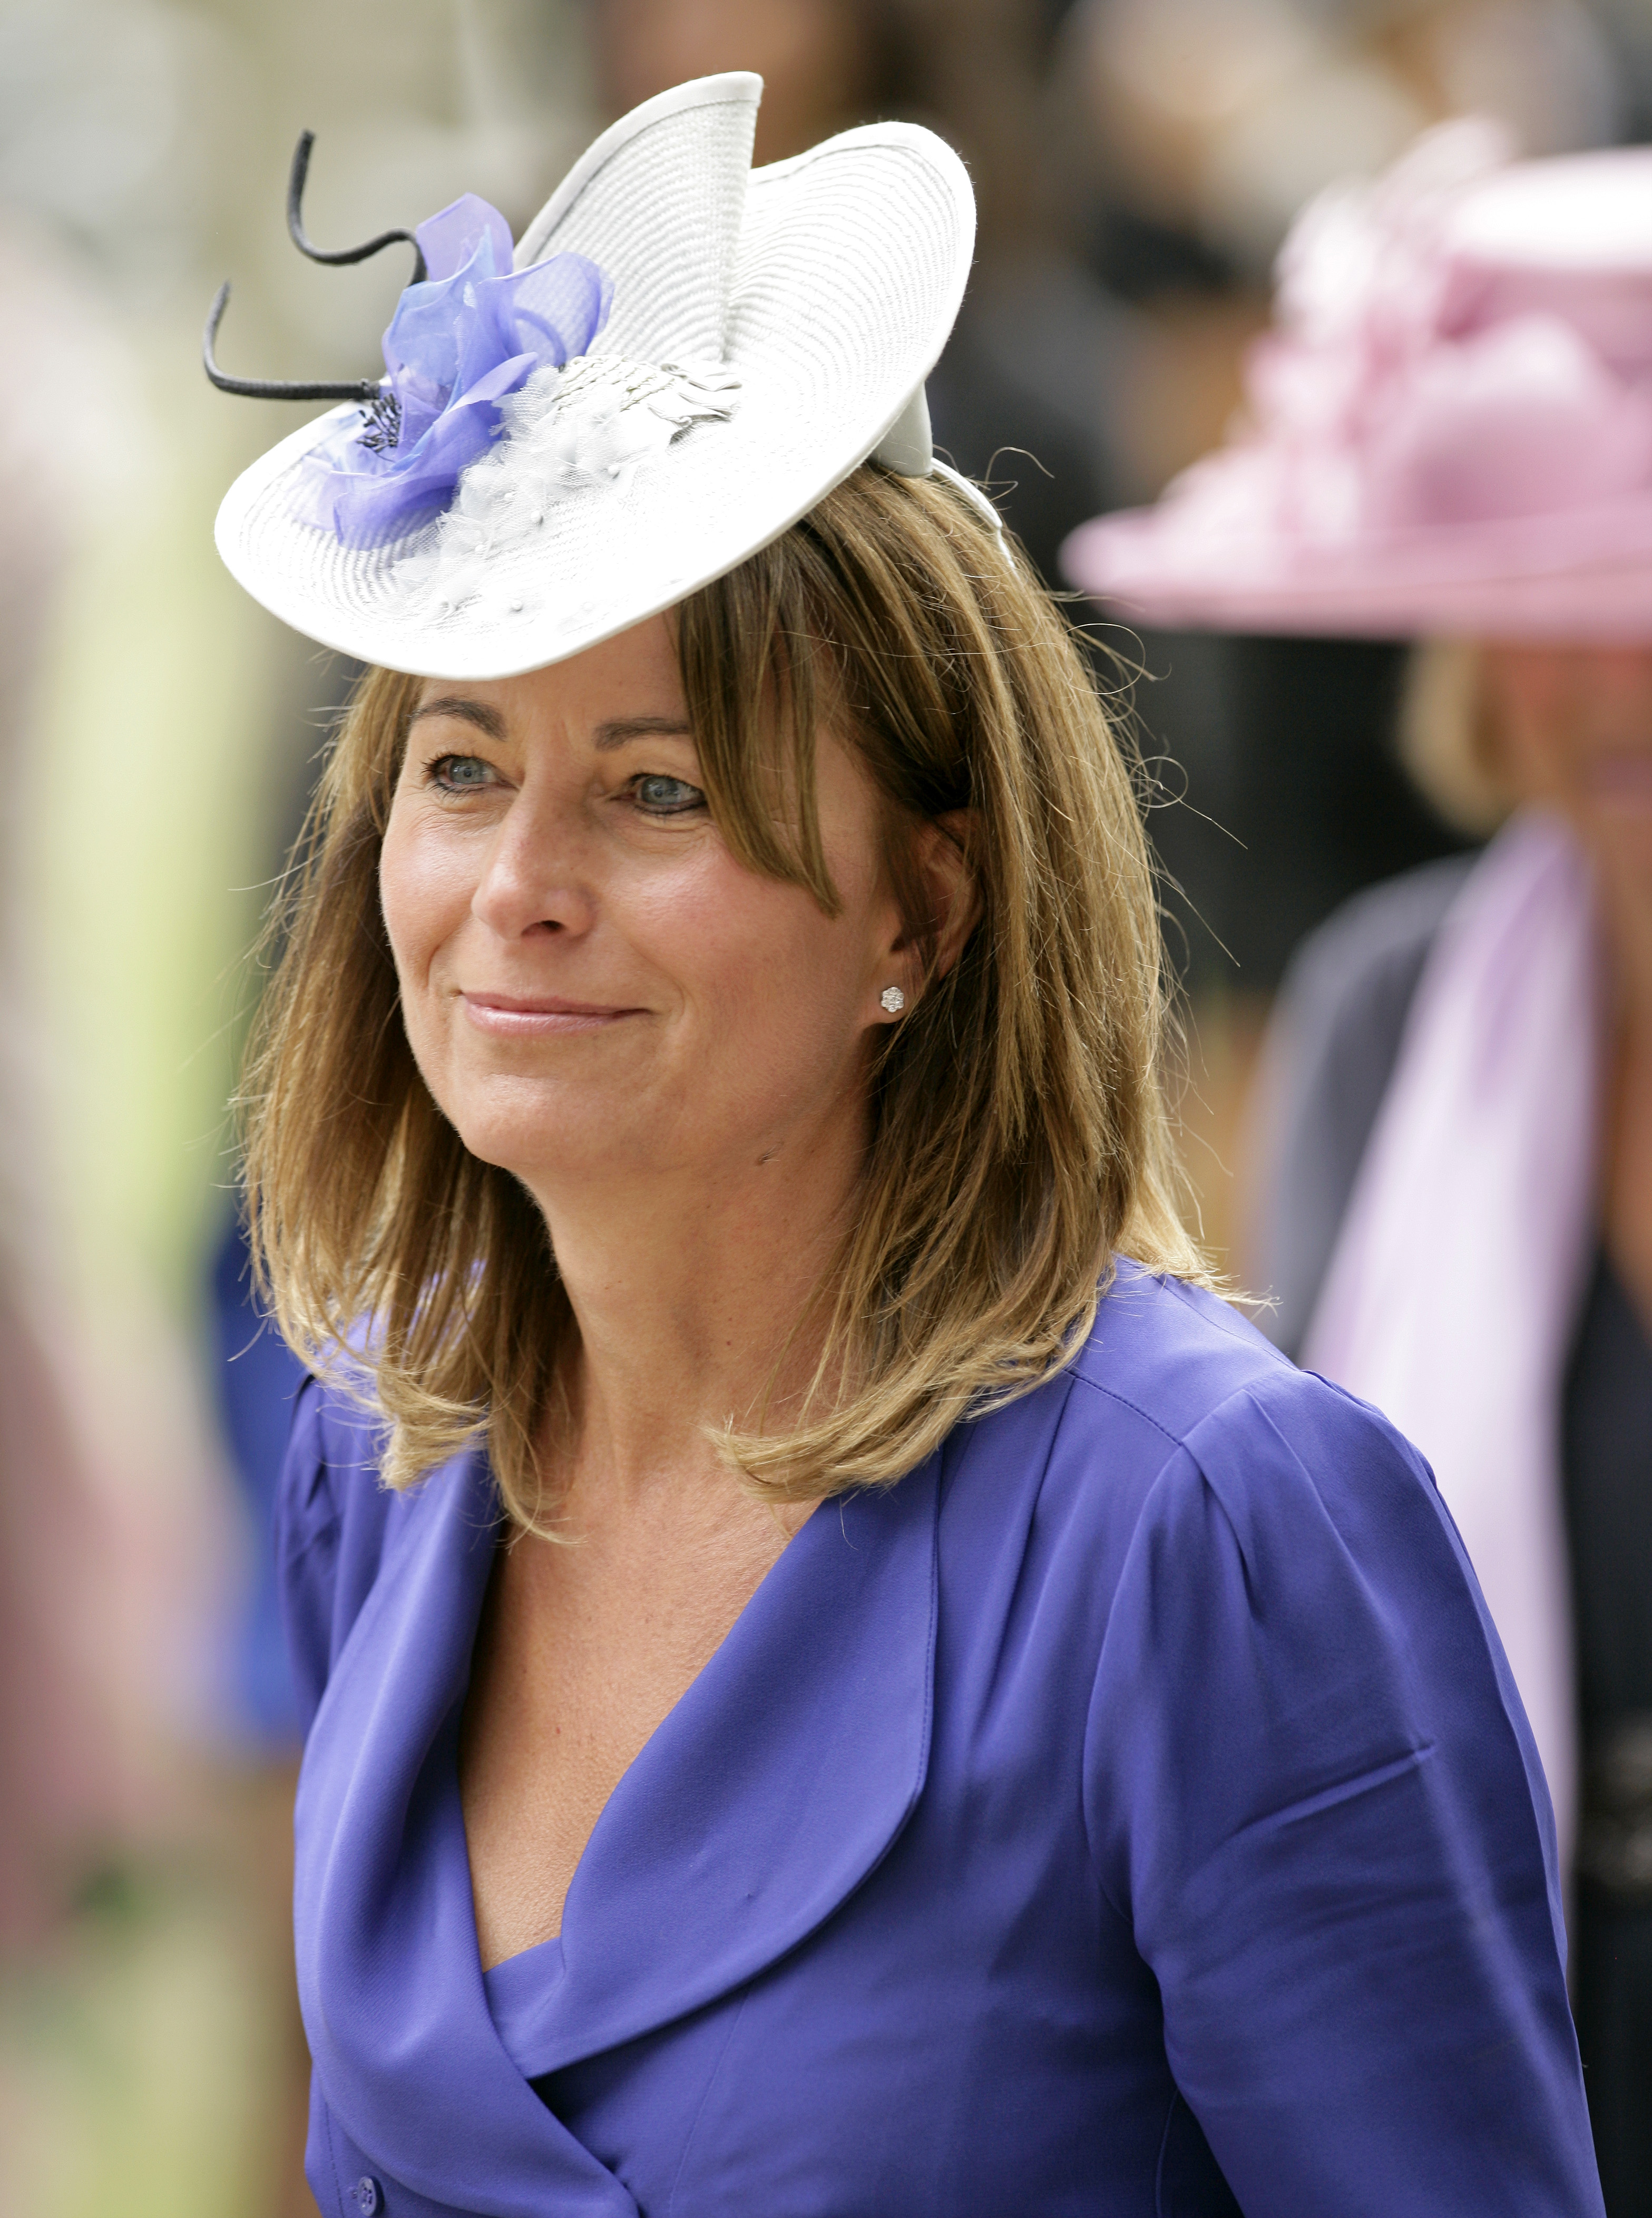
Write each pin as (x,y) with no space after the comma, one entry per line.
(533,880)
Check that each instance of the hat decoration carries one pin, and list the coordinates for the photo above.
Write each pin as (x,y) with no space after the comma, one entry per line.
(1449,427)
(680,356)
(461,342)
(590,425)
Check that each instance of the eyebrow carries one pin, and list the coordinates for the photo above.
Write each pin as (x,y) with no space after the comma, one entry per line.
(464,711)
(619,729)
(616,731)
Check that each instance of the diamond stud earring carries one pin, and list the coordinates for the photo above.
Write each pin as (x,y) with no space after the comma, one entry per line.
(893,1000)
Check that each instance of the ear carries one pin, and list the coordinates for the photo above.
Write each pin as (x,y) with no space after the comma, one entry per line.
(938,885)
(941,861)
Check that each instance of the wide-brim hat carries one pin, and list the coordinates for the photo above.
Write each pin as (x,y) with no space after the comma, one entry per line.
(703,351)
(1448,429)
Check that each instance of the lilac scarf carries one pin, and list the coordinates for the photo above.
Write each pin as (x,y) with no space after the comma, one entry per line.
(1452,1294)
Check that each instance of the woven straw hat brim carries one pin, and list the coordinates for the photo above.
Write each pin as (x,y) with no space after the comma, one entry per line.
(827,284)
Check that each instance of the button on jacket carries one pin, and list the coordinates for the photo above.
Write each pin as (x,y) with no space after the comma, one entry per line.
(1129,1812)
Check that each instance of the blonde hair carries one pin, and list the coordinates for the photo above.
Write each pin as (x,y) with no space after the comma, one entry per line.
(1018,1128)
(1447,740)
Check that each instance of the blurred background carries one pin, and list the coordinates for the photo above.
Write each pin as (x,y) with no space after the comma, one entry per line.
(1137,163)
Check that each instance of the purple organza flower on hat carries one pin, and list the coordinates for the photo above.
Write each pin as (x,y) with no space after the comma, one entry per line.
(460,343)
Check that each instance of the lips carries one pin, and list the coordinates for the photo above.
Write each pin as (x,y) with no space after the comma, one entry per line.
(515,1016)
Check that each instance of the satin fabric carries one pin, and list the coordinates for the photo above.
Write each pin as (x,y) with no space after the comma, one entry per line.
(1483,1157)
(1131,1812)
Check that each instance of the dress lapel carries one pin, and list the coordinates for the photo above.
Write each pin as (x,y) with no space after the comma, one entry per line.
(772,1789)
(389,1976)
(770,1793)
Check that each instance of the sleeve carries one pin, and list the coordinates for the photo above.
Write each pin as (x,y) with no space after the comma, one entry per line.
(256,1379)
(330,1513)
(1311,1790)
(307,1554)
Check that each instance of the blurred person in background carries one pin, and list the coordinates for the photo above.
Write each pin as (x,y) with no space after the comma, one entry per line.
(1451,434)
(1187,134)
(65,1800)
(1198,128)
(715,1073)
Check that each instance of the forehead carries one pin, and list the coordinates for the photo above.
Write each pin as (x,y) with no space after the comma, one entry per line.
(633,675)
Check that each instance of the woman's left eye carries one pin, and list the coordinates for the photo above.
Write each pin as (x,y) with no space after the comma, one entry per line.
(665,796)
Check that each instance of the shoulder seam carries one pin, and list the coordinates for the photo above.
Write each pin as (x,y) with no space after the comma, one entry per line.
(1247,1387)
(1113,1395)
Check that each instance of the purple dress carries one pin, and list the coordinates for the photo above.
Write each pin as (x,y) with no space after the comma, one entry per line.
(1130,1812)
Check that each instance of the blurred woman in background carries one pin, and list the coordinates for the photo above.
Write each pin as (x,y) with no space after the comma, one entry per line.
(67,1796)
(1451,435)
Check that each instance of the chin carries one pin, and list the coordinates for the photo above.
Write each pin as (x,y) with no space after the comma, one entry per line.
(590,1140)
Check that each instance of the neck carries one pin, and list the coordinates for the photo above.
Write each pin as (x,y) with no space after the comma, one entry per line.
(688,1290)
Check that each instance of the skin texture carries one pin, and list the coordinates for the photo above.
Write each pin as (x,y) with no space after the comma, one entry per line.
(1574,731)
(671,1053)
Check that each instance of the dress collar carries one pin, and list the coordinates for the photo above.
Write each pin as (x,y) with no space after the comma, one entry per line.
(770,1791)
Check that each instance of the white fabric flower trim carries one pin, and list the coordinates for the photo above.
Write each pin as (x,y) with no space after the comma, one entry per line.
(589,425)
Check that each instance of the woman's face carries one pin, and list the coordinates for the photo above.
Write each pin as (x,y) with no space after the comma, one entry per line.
(1573,729)
(592,984)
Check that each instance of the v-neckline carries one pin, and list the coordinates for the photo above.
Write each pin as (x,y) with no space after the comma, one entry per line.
(732,1632)
(778,1782)
(519,1989)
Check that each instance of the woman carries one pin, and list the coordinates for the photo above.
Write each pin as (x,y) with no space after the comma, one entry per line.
(862,1686)
(1461,1063)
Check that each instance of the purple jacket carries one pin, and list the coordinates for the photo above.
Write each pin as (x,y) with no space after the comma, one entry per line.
(1130,1812)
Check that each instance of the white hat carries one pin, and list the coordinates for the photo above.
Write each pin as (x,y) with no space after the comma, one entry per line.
(758,335)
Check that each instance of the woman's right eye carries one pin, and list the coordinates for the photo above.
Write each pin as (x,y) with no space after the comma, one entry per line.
(460,773)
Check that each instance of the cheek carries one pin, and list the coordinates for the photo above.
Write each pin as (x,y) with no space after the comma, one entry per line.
(768,977)
(1541,767)
(1537,734)
(424,891)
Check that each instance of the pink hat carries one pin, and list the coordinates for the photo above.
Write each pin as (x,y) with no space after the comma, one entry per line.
(1449,428)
